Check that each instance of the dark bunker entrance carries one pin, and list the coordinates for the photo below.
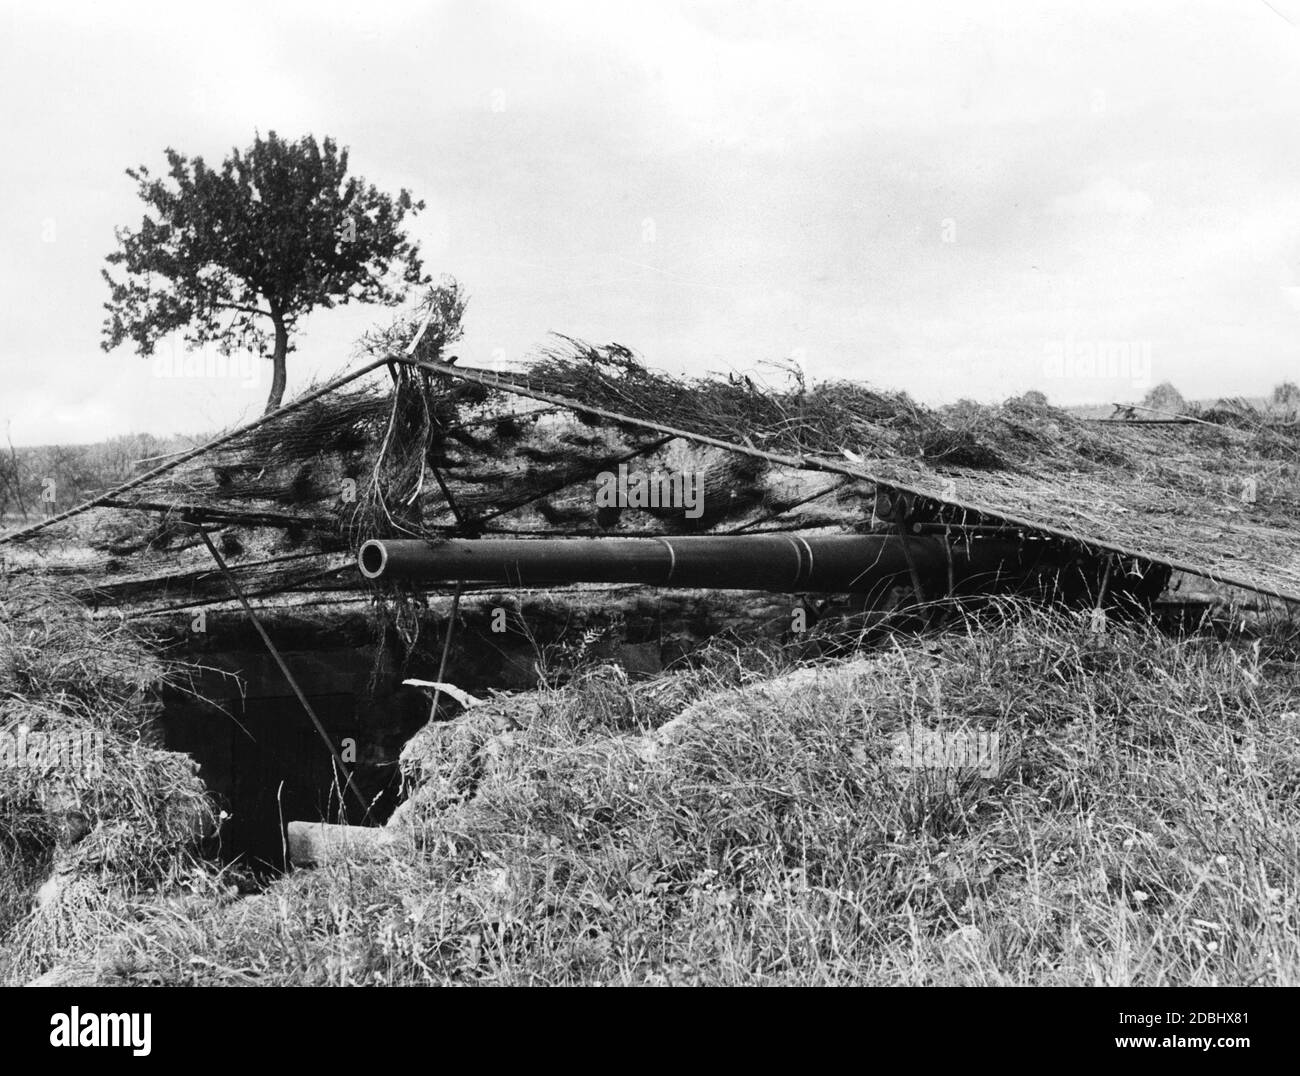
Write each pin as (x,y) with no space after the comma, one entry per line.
(271,767)
(263,758)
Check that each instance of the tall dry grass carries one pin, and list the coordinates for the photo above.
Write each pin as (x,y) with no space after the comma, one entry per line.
(79,837)
(1141,827)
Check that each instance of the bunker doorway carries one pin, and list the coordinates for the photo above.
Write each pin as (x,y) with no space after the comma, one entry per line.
(281,771)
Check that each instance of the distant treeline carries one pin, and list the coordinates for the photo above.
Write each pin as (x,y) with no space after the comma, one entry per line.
(33,479)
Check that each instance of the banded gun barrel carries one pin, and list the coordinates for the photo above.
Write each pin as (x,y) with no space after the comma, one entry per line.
(784,563)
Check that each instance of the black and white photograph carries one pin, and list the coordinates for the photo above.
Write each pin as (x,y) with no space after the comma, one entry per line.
(701,493)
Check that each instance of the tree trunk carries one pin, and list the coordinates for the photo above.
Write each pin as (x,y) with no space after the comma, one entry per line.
(277,363)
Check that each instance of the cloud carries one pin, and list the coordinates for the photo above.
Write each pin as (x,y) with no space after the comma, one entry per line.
(1110,171)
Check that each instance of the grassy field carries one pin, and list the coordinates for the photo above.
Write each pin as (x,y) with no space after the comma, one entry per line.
(752,822)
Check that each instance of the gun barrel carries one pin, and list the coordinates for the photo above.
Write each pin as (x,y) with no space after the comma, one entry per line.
(782,563)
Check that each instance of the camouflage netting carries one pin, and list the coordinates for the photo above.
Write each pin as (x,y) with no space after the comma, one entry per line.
(1220,495)
(415,452)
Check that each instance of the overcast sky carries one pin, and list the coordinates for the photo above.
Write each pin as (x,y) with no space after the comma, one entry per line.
(941,197)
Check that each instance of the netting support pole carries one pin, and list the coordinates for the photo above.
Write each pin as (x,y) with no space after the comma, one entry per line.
(446,649)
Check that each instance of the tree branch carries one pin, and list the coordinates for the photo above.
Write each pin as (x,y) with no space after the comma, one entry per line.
(245,309)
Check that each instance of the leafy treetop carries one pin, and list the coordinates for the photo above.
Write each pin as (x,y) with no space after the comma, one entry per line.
(279,230)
